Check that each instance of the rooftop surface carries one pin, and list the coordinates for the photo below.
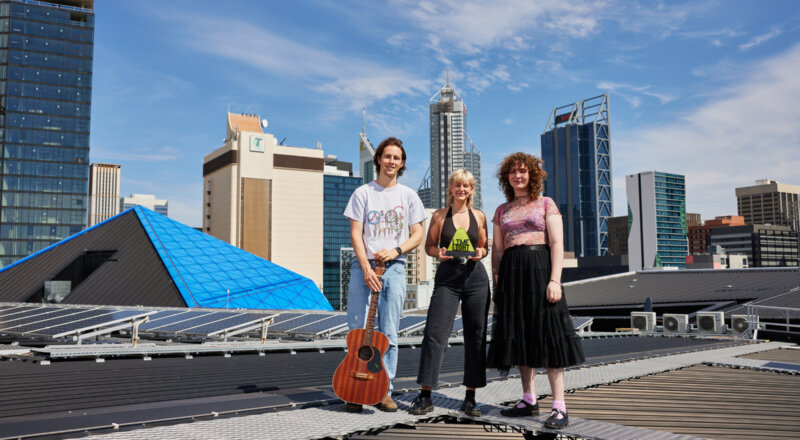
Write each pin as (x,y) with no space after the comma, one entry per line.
(631,387)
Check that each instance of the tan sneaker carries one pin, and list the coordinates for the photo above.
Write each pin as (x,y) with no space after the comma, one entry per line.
(387,404)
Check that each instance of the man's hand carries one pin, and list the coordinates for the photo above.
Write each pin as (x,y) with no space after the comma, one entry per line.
(385,255)
(372,280)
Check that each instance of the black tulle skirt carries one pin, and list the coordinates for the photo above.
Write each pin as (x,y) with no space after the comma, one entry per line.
(527,329)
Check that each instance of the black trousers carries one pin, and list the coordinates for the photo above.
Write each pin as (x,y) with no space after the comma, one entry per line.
(469,285)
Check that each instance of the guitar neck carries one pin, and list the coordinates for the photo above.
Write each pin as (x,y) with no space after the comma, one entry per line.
(373,306)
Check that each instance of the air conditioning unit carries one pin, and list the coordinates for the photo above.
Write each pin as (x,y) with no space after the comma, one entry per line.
(739,323)
(643,321)
(674,323)
(711,322)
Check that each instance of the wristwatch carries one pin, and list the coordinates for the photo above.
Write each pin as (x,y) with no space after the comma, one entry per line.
(399,250)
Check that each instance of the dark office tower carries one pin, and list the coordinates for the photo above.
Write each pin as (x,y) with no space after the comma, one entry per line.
(339,186)
(576,149)
(45,99)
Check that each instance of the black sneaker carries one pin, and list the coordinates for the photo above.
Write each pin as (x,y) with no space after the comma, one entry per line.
(421,406)
(526,410)
(470,408)
(353,407)
(553,422)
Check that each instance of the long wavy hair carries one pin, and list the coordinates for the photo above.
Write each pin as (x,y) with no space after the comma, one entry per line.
(536,174)
(462,176)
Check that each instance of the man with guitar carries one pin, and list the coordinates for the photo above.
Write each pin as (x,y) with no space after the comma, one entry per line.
(386,222)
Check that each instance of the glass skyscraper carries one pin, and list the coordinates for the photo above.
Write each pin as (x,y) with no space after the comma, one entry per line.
(451,147)
(336,233)
(45,103)
(577,159)
(657,218)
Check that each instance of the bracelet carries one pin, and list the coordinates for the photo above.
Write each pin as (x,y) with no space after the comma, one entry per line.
(555,281)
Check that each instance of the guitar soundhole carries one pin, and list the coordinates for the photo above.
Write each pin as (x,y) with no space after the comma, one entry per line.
(365,353)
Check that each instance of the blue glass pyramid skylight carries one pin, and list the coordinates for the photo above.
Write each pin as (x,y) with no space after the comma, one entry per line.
(209,272)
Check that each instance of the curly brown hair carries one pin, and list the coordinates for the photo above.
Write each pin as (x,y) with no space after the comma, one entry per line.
(536,174)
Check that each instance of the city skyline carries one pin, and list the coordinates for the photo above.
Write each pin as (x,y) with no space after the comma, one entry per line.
(700,88)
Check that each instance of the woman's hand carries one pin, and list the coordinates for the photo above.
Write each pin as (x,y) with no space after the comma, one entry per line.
(441,255)
(479,254)
(554,291)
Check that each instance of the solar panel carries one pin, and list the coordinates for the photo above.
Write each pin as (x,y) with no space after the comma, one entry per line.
(115,316)
(323,325)
(411,322)
(26,314)
(579,322)
(182,326)
(458,325)
(61,316)
(286,316)
(233,322)
(297,322)
(171,319)
(11,311)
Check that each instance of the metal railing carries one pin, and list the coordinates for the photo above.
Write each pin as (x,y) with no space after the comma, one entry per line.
(754,322)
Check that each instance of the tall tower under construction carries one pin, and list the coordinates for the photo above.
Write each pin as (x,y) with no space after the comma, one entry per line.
(451,148)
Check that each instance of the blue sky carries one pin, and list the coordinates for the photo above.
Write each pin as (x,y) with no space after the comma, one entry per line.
(708,89)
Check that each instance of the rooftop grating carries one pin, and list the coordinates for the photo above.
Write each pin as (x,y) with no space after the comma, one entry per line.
(333,422)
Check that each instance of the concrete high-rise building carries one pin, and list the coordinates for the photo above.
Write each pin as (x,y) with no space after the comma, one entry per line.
(693,219)
(46,76)
(618,235)
(104,185)
(266,198)
(148,201)
(769,202)
(576,150)
(366,153)
(699,235)
(339,186)
(451,147)
(657,209)
(764,245)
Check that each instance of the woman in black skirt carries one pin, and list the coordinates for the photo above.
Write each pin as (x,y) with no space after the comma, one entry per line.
(532,327)
(458,237)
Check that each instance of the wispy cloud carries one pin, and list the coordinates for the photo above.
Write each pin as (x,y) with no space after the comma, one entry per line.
(760,39)
(714,36)
(729,141)
(355,81)
(470,26)
(629,92)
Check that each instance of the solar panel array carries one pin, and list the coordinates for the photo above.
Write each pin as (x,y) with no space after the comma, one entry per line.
(53,321)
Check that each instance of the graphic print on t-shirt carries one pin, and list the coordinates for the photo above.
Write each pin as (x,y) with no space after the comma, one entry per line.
(460,245)
(386,223)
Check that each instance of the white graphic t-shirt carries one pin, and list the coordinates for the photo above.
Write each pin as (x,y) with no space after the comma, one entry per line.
(386,213)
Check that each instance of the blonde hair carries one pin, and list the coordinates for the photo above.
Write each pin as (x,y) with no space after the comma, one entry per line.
(461,176)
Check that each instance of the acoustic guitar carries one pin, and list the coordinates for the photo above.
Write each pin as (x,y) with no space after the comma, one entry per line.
(361,377)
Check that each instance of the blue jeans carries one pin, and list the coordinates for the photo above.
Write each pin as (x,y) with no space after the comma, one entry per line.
(390,305)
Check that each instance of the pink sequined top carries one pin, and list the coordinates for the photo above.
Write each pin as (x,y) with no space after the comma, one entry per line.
(523,221)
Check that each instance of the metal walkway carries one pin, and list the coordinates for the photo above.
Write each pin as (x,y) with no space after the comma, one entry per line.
(332,421)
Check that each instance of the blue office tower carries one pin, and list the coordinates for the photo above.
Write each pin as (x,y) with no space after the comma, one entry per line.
(577,158)
(336,233)
(45,102)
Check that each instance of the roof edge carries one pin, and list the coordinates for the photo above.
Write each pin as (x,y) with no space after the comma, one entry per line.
(59,243)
